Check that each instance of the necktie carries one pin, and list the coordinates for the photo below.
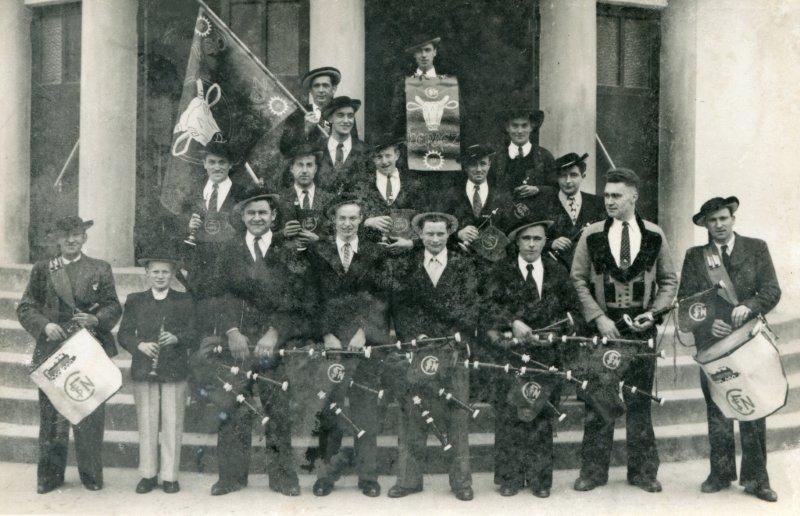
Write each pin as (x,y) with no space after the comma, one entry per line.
(306,200)
(347,255)
(573,208)
(625,247)
(212,200)
(477,205)
(726,258)
(339,155)
(434,266)
(531,281)
(389,189)
(520,155)
(257,248)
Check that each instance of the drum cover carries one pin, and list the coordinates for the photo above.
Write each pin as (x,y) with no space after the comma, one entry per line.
(429,365)
(530,395)
(744,372)
(78,377)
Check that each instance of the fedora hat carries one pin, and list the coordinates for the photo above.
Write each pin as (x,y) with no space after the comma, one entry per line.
(330,71)
(571,160)
(338,103)
(715,204)
(422,40)
(71,223)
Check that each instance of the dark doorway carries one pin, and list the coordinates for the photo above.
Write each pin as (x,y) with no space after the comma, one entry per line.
(489,45)
(628,42)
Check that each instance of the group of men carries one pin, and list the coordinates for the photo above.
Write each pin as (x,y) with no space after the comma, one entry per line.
(318,257)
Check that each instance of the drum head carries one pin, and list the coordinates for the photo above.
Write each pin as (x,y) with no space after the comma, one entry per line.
(730,343)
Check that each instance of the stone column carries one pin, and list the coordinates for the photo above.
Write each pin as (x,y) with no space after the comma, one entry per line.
(15,131)
(568,78)
(337,37)
(107,174)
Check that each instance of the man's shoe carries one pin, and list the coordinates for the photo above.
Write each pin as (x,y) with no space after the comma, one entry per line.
(541,493)
(44,487)
(290,490)
(400,492)
(146,485)
(322,487)
(464,494)
(370,488)
(506,490)
(762,493)
(714,484)
(586,484)
(651,485)
(223,488)
(171,487)
(92,485)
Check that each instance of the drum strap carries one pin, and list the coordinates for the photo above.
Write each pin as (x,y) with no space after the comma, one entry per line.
(61,284)
(717,272)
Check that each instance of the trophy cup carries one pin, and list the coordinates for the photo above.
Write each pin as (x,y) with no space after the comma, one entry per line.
(191,240)
(154,364)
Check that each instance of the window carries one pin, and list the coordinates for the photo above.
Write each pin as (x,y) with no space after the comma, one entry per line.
(626,40)
(56,41)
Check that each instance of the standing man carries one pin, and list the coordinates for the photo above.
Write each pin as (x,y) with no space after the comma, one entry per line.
(268,303)
(622,266)
(526,292)
(304,203)
(353,313)
(67,290)
(571,209)
(435,295)
(424,50)
(754,290)
(344,156)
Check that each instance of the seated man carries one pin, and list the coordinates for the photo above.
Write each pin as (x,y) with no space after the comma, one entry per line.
(304,204)
(344,157)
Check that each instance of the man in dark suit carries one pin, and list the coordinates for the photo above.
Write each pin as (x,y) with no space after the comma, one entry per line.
(304,204)
(343,155)
(434,295)
(353,296)
(268,303)
(754,291)
(72,290)
(570,208)
(526,292)
(623,266)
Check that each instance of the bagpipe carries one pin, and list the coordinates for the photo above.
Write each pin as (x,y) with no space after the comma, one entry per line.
(491,242)
(626,322)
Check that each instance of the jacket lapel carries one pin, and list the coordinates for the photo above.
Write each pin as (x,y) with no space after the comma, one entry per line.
(330,253)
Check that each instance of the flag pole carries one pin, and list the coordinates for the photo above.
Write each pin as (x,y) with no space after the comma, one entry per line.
(605,152)
(256,60)
(66,164)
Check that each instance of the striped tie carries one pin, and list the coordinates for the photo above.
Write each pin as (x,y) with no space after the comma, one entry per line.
(625,247)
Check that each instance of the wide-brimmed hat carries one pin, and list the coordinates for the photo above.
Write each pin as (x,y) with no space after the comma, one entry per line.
(257,194)
(532,219)
(304,149)
(715,204)
(386,140)
(220,149)
(342,200)
(339,103)
(475,152)
(571,160)
(419,220)
(536,116)
(330,71)
(422,40)
(70,224)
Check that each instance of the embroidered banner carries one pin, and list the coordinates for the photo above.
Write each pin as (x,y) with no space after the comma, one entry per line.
(433,122)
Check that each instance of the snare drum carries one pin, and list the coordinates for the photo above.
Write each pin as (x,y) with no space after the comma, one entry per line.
(744,372)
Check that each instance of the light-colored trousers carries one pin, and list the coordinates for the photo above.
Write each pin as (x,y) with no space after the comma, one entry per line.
(167,402)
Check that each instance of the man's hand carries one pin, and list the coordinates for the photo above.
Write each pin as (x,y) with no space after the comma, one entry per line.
(195,222)
(238,343)
(311,118)
(305,237)
(148,348)
(291,229)
(562,244)
(85,320)
(266,344)
(468,234)
(525,191)
(358,341)
(720,328)
(54,332)
(520,330)
(399,245)
(643,321)
(606,327)
(330,341)
(739,315)
(382,223)
(167,339)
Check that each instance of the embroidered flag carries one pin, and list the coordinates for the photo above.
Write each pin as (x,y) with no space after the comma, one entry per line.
(433,122)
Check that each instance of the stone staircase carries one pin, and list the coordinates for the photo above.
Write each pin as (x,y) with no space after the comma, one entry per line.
(680,424)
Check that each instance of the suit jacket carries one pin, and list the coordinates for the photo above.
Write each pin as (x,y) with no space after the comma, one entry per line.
(411,196)
(459,205)
(291,209)
(420,308)
(93,283)
(539,167)
(273,292)
(593,259)
(592,210)
(751,272)
(358,298)
(294,132)
(349,174)
(141,322)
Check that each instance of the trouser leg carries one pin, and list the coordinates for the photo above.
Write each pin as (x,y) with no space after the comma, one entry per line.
(722,445)
(458,430)
(640,437)
(509,443)
(598,438)
(754,451)
(412,444)
(541,451)
(233,447)
(53,440)
(89,445)
(366,412)
(330,440)
(280,457)
(173,406)
(146,397)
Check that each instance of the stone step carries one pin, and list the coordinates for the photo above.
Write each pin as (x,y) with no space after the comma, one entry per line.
(18,443)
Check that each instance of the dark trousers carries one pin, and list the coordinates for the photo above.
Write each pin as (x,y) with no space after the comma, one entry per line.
(364,412)
(598,434)
(723,446)
(235,438)
(54,438)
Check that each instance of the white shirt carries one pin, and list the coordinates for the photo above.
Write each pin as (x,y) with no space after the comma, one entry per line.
(729,243)
(67,261)
(513,150)
(577,199)
(380,182)
(159,295)
(347,145)
(538,271)
(353,247)
(222,192)
(615,238)
(430,73)
(266,241)
(435,270)
(483,191)
(311,189)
